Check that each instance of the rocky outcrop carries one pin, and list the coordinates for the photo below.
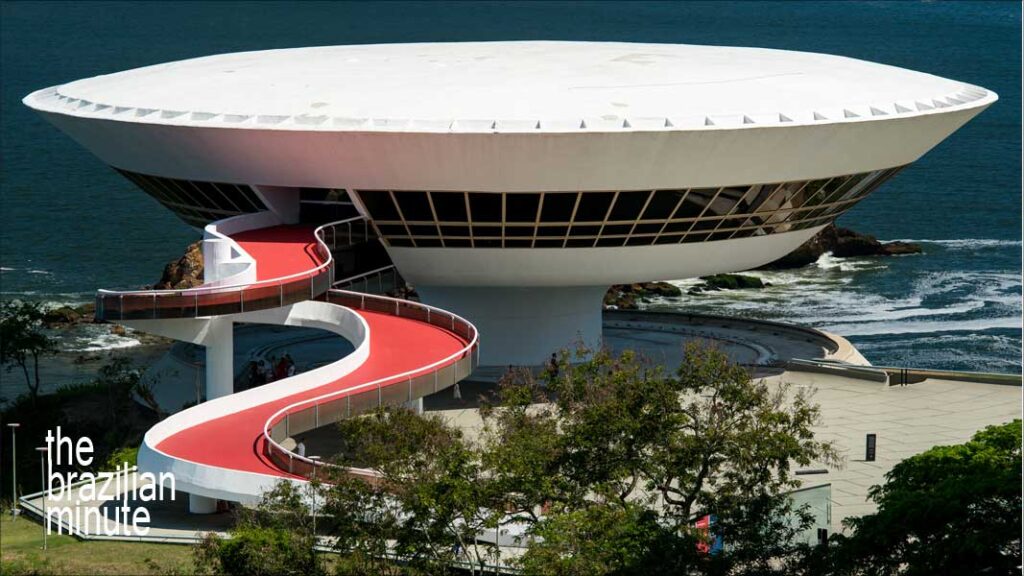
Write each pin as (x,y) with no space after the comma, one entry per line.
(185,272)
(841,242)
(69,315)
(727,282)
(628,296)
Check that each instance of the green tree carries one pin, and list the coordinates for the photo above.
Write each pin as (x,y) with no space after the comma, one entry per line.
(621,435)
(605,465)
(23,342)
(428,501)
(949,510)
(273,539)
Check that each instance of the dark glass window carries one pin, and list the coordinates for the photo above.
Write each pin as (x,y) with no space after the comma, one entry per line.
(485,207)
(662,204)
(423,229)
(378,203)
(647,228)
(521,207)
(635,217)
(594,206)
(552,230)
(450,206)
(558,207)
(628,206)
(518,230)
(617,229)
(590,230)
(486,230)
(414,206)
(455,230)
(695,202)
(198,203)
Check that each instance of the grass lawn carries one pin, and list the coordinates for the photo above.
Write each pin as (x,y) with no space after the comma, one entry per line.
(21,552)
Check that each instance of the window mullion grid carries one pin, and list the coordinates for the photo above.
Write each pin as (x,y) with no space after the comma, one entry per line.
(437,223)
(196,192)
(184,193)
(820,190)
(781,188)
(572,218)
(732,211)
(682,197)
(469,218)
(607,215)
(227,200)
(702,213)
(231,201)
(173,194)
(536,222)
(401,216)
(639,216)
(151,188)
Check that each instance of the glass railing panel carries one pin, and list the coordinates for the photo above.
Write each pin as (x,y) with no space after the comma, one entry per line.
(261,297)
(445,376)
(413,311)
(136,308)
(380,305)
(175,305)
(333,410)
(395,393)
(363,402)
(278,432)
(301,421)
(296,291)
(423,385)
(441,319)
(217,303)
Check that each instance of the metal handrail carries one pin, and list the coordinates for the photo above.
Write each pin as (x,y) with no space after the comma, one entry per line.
(317,233)
(469,348)
(352,279)
(189,299)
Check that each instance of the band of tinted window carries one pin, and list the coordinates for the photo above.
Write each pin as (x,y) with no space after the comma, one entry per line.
(198,203)
(611,218)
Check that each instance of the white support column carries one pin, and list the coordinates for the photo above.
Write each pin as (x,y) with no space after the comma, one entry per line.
(220,356)
(220,381)
(415,405)
(523,326)
(201,504)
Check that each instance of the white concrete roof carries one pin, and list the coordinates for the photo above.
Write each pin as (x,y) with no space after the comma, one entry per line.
(510,87)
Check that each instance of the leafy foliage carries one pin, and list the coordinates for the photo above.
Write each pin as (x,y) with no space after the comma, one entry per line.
(604,465)
(622,439)
(950,510)
(427,504)
(276,538)
(23,342)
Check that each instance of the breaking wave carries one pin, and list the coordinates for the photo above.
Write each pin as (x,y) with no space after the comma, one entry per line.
(965,243)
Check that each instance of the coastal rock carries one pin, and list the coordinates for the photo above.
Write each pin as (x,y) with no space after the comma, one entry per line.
(185,272)
(841,242)
(628,296)
(727,282)
(62,315)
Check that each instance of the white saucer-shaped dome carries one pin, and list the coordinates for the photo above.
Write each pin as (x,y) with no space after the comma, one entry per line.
(511,87)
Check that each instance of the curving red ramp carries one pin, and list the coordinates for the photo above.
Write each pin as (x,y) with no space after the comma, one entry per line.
(232,447)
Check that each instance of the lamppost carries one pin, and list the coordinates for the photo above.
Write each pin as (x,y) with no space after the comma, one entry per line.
(14,469)
(316,460)
(43,454)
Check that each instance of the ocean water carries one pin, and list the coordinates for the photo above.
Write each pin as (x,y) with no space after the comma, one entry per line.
(69,225)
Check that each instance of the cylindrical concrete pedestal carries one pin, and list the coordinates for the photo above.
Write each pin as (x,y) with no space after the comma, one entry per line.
(220,359)
(201,504)
(523,326)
